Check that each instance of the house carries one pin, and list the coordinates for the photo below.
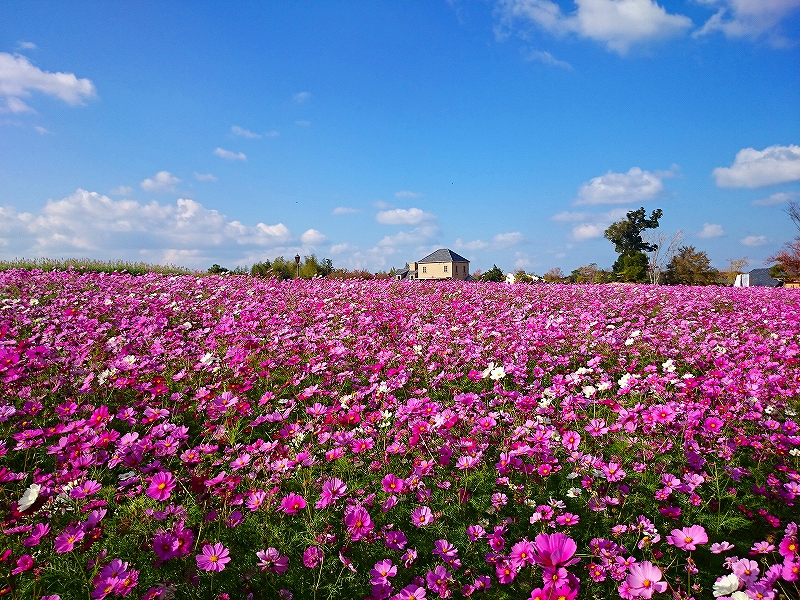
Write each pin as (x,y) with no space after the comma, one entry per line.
(442,264)
(757,278)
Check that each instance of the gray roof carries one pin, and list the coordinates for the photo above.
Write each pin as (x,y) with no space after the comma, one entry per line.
(761,277)
(443,255)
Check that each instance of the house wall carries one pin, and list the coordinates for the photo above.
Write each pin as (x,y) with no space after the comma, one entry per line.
(443,270)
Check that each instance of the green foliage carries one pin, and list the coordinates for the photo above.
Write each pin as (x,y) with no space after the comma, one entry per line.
(88,265)
(691,267)
(217,270)
(631,267)
(261,269)
(590,273)
(626,235)
(494,274)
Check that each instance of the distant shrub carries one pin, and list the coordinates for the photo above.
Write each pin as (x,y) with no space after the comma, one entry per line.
(88,265)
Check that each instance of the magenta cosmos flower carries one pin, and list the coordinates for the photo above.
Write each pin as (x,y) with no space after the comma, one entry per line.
(161,486)
(688,538)
(554,550)
(292,503)
(213,558)
(644,579)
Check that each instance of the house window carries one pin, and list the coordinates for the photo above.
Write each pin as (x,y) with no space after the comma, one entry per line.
(424,269)
(445,268)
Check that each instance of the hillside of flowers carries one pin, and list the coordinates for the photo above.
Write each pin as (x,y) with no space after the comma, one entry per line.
(235,437)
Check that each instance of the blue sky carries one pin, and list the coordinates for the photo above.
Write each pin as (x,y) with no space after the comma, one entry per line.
(511,131)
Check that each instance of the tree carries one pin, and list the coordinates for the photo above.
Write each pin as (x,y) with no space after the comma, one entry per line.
(690,267)
(494,274)
(217,270)
(664,248)
(626,235)
(261,269)
(554,275)
(590,273)
(735,267)
(788,259)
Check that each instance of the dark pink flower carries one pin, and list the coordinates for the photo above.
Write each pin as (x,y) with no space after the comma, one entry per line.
(24,563)
(161,486)
(292,503)
(312,557)
(358,522)
(67,539)
(554,550)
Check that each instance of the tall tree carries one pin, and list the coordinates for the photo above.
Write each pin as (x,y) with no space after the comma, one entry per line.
(664,248)
(626,235)
(691,267)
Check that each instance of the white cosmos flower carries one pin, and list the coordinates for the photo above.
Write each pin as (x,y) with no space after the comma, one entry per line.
(726,585)
(497,373)
(29,497)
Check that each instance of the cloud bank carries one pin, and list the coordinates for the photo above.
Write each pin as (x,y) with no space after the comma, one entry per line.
(618,24)
(622,188)
(758,168)
(18,78)
(87,223)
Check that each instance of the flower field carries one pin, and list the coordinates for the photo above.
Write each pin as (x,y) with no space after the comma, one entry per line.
(231,437)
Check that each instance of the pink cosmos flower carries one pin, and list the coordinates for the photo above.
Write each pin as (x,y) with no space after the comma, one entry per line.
(719,548)
(522,554)
(422,516)
(554,550)
(255,499)
(688,538)
(644,579)
(67,539)
(312,557)
(333,489)
(412,592)
(292,504)
(213,558)
(392,484)
(86,489)
(24,563)
(271,560)
(358,522)
(39,531)
(746,570)
(382,571)
(161,486)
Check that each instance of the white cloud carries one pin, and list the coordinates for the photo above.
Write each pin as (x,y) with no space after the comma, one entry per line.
(757,168)
(407,194)
(312,237)
(547,59)
(501,241)
(122,190)
(300,97)
(345,210)
(183,232)
(419,236)
(778,198)
(228,155)
(26,45)
(17,106)
(342,248)
(18,77)
(750,19)
(402,216)
(303,123)
(588,225)
(622,188)
(522,261)
(755,240)
(618,24)
(273,133)
(711,230)
(205,177)
(236,130)
(163,181)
